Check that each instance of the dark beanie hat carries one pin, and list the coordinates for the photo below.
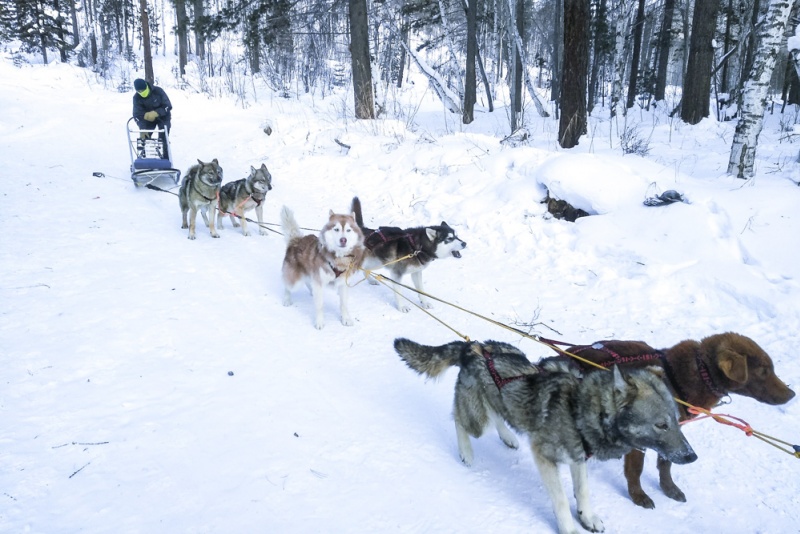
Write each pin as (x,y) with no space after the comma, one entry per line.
(139,84)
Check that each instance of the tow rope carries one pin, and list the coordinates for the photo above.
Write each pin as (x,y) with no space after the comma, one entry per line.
(724,419)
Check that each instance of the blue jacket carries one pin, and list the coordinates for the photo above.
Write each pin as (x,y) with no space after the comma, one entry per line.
(157,100)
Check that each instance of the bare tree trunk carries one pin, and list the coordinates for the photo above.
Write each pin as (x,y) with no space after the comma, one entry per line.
(62,51)
(600,17)
(576,69)
(622,17)
(558,52)
(697,85)
(183,44)
(519,19)
(359,57)
(484,78)
(199,37)
(76,30)
(521,61)
(402,52)
(638,28)
(723,82)
(470,82)
(148,56)
(743,150)
(663,49)
(750,49)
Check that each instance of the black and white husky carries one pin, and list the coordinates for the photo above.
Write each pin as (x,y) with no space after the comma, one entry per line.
(239,197)
(407,250)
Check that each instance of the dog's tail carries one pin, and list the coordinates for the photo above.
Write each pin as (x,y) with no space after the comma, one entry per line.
(355,209)
(291,229)
(429,361)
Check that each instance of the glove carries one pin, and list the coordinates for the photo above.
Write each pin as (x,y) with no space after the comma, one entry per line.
(150,116)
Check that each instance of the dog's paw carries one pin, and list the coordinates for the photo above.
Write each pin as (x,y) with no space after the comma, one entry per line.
(192,236)
(215,235)
(347,321)
(235,223)
(319,324)
(640,498)
(246,233)
(404,308)
(590,522)
(673,492)
(263,232)
(466,458)
(425,304)
(510,441)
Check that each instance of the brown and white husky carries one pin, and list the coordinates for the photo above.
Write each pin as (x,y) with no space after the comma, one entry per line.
(319,261)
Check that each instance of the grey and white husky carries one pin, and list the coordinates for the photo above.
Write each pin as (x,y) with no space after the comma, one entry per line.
(568,419)
(200,192)
(239,197)
(320,261)
(407,250)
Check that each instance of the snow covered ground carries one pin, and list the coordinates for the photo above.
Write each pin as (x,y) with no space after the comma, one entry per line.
(155,384)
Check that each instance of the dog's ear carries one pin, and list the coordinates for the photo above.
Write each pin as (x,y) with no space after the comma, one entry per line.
(264,166)
(200,162)
(621,384)
(253,169)
(330,213)
(215,162)
(733,365)
(431,232)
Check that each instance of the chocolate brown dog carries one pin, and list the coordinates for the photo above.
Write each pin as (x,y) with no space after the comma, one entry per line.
(700,373)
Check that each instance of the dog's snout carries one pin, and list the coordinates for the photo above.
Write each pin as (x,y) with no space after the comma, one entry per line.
(343,241)
(686,457)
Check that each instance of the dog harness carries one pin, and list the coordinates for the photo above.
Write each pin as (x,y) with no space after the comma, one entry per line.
(618,360)
(386,234)
(194,186)
(702,367)
(337,271)
(498,380)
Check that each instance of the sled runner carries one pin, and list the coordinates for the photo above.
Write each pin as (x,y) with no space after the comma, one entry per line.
(150,155)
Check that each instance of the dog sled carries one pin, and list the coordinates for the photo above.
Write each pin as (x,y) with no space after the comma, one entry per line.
(150,155)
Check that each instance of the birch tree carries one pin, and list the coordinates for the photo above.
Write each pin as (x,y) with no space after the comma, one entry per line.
(754,100)
(623,16)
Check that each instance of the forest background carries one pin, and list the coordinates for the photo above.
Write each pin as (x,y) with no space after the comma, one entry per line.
(566,58)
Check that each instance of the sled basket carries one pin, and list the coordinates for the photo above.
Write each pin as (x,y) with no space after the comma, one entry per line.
(150,155)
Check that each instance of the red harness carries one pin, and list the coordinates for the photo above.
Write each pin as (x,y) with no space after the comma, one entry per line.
(498,380)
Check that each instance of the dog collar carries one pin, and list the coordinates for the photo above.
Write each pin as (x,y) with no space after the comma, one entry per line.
(705,375)
(194,186)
